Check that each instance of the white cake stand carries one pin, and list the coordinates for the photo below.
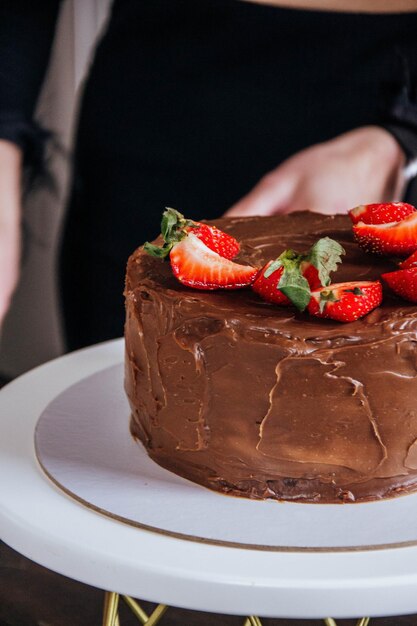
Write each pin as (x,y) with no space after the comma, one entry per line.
(46,525)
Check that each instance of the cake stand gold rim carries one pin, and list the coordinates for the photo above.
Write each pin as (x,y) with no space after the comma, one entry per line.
(219,542)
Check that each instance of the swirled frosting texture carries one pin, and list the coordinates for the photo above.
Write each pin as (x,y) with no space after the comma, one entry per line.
(261,401)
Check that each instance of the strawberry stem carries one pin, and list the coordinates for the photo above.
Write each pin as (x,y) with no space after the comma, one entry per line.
(327,295)
(173,230)
(161,252)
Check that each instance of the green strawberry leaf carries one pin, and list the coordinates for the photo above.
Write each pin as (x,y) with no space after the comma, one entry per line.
(173,229)
(275,265)
(171,220)
(289,259)
(174,225)
(161,252)
(293,285)
(325,255)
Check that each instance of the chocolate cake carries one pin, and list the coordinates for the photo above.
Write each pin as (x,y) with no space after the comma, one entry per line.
(261,401)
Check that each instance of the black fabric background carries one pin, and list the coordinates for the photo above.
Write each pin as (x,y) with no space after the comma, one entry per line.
(188,104)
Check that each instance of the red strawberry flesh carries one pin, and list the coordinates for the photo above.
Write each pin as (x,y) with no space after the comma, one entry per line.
(311,274)
(215,239)
(267,288)
(195,265)
(399,238)
(410,262)
(403,283)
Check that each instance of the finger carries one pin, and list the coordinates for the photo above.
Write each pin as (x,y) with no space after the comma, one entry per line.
(9,268)
(6,297)
(271,195)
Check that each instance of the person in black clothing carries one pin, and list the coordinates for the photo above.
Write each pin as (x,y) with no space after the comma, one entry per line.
(189,104)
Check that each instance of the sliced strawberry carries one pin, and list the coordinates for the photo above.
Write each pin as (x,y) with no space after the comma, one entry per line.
(403,283)
(195,265)
(289,279)
(200,254)
(175,227)
(381,213)
(410,262)
(266,285)
(398,238)
(345,302)
(217,240)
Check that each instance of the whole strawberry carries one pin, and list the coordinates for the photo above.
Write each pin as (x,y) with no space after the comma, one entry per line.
(199,254)
(345,302)
(381,213)
(290,278)
(403,283)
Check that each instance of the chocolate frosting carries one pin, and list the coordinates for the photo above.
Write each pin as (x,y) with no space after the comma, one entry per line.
(262,401)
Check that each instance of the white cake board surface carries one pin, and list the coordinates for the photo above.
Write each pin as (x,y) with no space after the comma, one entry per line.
(83,443)
(42,522)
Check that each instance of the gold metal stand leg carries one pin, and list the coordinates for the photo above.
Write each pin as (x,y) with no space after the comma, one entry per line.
(110,615)
(364,621)
(141,615)
(136,609)
(252,620)
(156,615)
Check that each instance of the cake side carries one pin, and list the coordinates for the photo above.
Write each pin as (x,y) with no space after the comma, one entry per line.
(257,400)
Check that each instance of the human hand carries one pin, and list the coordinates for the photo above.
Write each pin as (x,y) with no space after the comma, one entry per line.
(359,167)
(10,166)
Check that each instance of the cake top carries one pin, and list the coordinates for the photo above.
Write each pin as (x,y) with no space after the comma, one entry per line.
(265,238)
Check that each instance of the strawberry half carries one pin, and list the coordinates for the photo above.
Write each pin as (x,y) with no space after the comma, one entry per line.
(195,265)
(403,283)
(381,213)
(175,227)
(345,302)
(410,262)
(289,279)
(398,238)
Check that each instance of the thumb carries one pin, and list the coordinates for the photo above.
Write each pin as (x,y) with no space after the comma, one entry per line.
(271,195)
